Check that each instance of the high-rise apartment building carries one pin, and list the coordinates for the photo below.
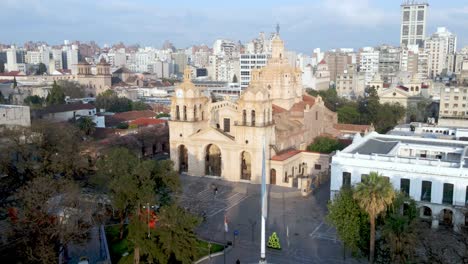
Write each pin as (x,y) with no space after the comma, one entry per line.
(369,62)
(249,62)
(439,46)
(413,22)
(337,62)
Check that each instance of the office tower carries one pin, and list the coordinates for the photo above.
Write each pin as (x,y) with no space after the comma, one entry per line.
(413,22)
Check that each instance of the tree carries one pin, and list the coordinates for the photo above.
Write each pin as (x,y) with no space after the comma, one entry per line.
(388,116)
(347,217)
(72,89)
(34,101)
(109,101)
(325,145)
(349,114)
(2,98)
(39,224)
(15,83)
(86,125)
(2,66)
(41,69)
(398,230)
(374,194)
(176,238)
(139,106)
(234,79)
(56,95)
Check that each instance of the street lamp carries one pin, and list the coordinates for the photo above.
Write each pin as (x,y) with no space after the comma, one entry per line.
(148,207)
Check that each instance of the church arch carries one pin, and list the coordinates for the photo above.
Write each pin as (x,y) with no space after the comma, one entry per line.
(446,217)
(246,166)
(213,160)
(183,158)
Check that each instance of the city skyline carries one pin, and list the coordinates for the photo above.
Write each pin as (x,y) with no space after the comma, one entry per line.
(305,25)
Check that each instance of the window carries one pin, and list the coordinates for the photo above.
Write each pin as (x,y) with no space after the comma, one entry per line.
(244,117)
(426,189)
(185,113)
(318,166)
(420,16)
(346,179)
(316,115)
(227,125)
(405,186)
(447,197)
(253,117)
(177,113)
(466,196)
(286,179)
(406,16)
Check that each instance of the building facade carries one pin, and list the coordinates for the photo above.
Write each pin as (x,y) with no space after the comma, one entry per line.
(15,115)
(433,172)
(413,23)
(226,138)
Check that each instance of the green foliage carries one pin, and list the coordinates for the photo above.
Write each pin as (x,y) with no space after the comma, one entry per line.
(34,101)
(163,115)
(325,145)
(72,89)
(41,69)
(273,241)
(349,114)
(122,125)
(234,79)
(86,125)
(56,95)
(374,195)
(2,66)
(420,112)
(349,220)
(139,106)
(109,101)
(367,109)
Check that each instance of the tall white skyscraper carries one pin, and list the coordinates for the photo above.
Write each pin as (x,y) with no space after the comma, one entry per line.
(439,46)
(413,22)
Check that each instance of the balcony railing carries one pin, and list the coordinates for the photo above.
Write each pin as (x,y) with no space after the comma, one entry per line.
(256,124)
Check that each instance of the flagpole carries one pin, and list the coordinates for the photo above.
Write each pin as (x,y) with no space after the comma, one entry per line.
(264,208)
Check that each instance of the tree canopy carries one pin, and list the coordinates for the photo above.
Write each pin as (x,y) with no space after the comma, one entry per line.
(325,145)
(56,95)
(374,195)
(72,89)
(41,69)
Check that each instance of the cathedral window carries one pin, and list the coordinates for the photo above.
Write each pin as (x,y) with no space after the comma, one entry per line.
(185,113)
(203,115)
(177,113)
(227,125)
(253,117)
(195,113)
(244,117)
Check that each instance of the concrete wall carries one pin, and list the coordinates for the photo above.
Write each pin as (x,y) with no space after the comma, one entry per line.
(13,115)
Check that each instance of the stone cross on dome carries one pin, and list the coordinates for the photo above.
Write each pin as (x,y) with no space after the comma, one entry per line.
(277,28)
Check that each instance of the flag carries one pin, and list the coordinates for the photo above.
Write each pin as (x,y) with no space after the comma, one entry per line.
(264,192)
(226,227)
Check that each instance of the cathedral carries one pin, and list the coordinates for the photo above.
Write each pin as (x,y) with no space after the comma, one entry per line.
(225,138)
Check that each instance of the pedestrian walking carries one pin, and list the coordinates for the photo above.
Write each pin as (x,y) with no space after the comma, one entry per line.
(238,261)
(216,191)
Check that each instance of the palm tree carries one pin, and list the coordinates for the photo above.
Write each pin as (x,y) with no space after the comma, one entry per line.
(374,194)
(86,125)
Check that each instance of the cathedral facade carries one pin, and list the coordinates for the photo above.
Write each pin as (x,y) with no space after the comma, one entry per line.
(225,138)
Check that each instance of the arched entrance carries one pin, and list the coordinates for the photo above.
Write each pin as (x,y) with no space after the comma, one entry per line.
(446,217)
(213,160)
(183,159)
(246,166)
(272,176)
(426,212)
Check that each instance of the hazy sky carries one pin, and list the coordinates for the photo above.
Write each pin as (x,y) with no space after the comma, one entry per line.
(305,24)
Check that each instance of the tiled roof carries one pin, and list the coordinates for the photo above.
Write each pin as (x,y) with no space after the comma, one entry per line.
(113,120)
(286,155)
(278,109)
(323,61)
(147,121)
(306,100)
(352,127)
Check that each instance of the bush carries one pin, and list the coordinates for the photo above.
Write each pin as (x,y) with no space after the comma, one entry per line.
(325,145)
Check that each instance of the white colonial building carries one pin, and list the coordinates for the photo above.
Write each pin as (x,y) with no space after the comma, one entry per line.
(434,172)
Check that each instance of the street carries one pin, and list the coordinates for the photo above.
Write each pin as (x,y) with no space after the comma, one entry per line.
(298,221)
